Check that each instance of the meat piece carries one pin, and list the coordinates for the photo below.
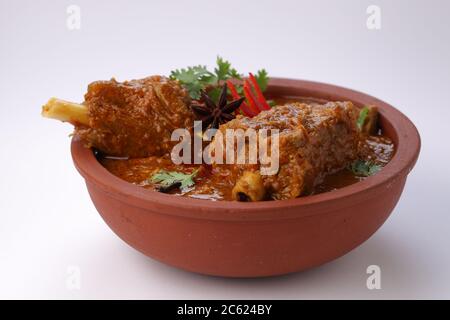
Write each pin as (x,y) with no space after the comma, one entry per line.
(314,140)
(135,118)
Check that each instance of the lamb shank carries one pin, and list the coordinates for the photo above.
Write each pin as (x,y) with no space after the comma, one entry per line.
(314,140)
(129,119)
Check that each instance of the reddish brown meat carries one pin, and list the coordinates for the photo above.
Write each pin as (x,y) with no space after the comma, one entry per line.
(135,118)
(314,140)
(314,125)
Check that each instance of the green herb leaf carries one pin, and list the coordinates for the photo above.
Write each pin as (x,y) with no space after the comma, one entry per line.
(234,74)
(240,90)
(224,71)
(362,117)
(169,178)
(198,78)
(271,103)
(262,78)
(214,94)
(364,168)
(193,78)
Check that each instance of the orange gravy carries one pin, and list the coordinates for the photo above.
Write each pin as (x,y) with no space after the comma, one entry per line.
(215,185)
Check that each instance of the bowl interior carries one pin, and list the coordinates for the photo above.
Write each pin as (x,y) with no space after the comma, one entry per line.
(393,123)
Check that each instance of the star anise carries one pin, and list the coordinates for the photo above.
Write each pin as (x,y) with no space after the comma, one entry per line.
(213,115)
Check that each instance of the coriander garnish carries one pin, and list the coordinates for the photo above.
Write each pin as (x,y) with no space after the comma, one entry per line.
(168,180)
(362,117)
(364,168)
(198,78)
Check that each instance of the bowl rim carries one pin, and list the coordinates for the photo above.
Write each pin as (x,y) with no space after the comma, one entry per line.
(404,159)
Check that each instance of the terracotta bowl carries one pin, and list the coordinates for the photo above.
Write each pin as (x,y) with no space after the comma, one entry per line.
(235,239)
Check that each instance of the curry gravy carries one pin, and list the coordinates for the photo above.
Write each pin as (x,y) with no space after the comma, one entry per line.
(214,184)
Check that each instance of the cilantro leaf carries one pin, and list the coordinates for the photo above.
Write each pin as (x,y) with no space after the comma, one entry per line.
(168,179)
(193,78)
(362,117)
(214,94)
(234,74)
(198,78)
(262,78)
(224,71)
(271,103)
(364,168)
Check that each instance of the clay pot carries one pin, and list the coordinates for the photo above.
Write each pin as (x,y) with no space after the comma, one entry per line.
(236,239)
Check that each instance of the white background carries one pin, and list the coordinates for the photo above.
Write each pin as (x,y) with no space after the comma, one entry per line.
(48,222)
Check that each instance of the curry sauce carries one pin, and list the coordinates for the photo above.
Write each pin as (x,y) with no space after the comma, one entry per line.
(216,182)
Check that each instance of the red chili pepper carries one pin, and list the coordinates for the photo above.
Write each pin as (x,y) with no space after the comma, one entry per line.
(233,90)
(249,112)
(259,93)
(250,97)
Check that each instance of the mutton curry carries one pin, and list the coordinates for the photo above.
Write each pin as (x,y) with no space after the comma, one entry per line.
(322,145)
